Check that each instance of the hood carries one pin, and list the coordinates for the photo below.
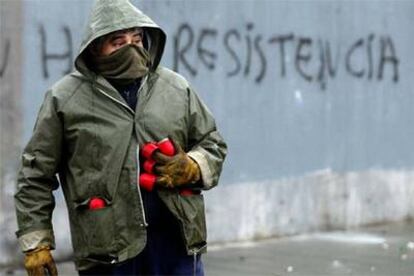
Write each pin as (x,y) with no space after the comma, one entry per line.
(108,16)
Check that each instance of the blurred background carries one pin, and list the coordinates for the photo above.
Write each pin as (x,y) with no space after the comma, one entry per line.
(314,98)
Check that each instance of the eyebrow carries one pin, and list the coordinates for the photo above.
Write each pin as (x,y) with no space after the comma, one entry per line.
(138,32)
(115,36)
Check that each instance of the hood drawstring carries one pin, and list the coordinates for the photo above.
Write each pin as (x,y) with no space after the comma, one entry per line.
(194,263)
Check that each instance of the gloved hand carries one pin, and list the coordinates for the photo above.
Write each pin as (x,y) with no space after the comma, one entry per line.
(38,261)
(174,171)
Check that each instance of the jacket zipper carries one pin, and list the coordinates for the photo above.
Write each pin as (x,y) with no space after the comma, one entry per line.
(117,101)
(144,80)
(139,189)
(137,150)
(121,103)
(137,156)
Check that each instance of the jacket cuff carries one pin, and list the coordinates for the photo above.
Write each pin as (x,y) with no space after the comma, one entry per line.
(206,174)
(37,238)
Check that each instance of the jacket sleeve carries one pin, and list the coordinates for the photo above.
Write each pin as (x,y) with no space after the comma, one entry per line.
(207,147)
(34,200)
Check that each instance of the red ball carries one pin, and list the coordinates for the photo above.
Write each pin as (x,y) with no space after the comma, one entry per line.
(149,166)
(96,203)
(166,147)
(147,181)
(148,149)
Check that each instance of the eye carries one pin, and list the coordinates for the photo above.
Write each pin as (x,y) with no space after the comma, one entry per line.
(118,43)
(137,36)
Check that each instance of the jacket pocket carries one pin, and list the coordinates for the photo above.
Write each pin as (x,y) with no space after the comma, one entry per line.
(97,230)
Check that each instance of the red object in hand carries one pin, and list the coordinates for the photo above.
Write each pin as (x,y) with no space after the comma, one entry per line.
(147,181)
(148,149)
(149,165)
(166,147)
(96,203)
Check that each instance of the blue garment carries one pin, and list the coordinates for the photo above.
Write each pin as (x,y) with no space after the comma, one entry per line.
(129,92)
(135,267)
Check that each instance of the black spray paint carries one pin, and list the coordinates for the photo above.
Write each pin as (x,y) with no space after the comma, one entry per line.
(49,55)
(250,55)
(365,58)
(4,57)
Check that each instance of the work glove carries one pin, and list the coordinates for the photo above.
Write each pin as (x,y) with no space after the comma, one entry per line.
(177,170)
(38,261)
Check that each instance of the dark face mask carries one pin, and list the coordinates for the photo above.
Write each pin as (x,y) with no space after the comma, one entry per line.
(123,66)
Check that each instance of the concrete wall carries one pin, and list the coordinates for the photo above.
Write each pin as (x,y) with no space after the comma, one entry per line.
(11,117)
(313,98)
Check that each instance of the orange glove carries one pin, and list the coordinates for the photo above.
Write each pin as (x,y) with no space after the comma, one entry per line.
(38,261)
(174,171)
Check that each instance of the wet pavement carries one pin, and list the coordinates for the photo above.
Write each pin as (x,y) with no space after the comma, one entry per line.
(380,250)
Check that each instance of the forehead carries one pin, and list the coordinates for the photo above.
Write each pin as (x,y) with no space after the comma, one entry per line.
(135,30)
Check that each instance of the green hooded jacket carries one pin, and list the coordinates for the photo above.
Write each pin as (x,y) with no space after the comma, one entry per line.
(87,139)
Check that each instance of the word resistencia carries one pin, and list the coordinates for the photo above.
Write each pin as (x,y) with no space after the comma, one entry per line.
(313,59)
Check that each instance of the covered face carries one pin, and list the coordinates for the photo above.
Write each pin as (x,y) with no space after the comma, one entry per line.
(120,56)
(107,44)
(121,43)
